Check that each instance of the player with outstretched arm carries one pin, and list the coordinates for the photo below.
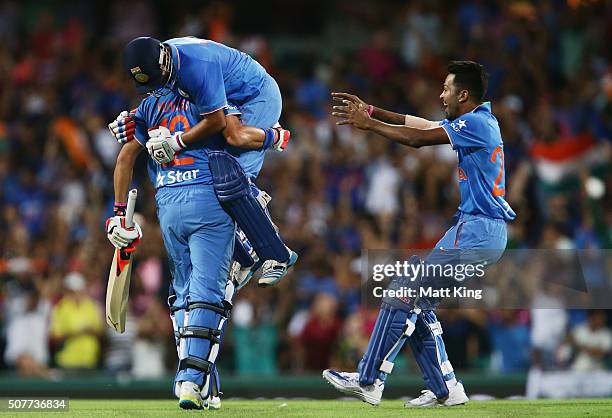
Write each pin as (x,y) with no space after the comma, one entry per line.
(213,77)
(473,132)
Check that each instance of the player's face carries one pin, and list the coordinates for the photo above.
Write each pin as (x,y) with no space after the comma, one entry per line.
(450,97)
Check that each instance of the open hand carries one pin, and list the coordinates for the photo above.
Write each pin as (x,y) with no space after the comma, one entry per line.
(352,113)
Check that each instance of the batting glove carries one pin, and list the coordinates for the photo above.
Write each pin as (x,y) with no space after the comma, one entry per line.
(120,236)
(163,146)
(124,127)
(281,139)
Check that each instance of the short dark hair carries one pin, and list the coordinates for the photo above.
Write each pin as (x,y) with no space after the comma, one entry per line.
(471,76)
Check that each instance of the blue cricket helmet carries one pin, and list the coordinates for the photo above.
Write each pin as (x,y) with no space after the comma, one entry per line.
(142,59)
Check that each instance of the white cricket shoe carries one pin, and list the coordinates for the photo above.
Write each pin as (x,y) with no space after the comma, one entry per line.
(241,275)
(273,271)
(456,396)
(190,397)
(348,383)
(426,400)
(213,403)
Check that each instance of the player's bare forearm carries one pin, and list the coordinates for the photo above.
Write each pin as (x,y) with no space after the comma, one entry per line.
(123,169)
(388,116)
(406,135)
(355,114)
(213,122)
(399,119)
(241,136)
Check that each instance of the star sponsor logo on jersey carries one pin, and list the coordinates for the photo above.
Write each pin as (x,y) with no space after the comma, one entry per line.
(175,176)
(458,125)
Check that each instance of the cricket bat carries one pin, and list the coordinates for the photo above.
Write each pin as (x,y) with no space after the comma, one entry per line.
(118,288)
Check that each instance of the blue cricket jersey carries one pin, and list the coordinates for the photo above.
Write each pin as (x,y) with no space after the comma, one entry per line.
(476,138)
(210,74)
(176,113)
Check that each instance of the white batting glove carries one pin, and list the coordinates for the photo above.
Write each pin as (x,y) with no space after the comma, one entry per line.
(162,145)
(123,127)
(120,236)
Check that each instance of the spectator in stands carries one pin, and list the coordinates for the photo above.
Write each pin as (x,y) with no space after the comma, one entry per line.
(592,341)
(27,334)
(76,326)
(320,334)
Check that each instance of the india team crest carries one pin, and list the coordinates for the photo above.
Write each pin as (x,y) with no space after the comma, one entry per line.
(139,75)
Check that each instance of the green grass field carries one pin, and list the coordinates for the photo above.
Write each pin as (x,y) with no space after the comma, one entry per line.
(336,409)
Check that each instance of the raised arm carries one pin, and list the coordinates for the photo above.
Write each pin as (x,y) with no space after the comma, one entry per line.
(356,115)
(384,115)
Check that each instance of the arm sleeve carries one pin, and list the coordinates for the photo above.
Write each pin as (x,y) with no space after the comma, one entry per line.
(232,110)
(204,84)
(140,119)
(467,131)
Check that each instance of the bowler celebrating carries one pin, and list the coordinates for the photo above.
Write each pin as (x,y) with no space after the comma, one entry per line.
(473,132)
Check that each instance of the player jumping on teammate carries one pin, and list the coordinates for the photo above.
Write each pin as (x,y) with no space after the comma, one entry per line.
(213,76)
(473,132)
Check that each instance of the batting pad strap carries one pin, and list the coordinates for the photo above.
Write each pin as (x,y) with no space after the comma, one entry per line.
(386,367)
(207,306)
(263,198)
(410,326)
(436,328)
(195,363)
(191,331)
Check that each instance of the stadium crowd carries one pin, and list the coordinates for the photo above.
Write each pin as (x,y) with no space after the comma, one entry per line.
(335,190)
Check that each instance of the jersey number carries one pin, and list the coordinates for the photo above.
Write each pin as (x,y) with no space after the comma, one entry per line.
(497,191)
(174,121)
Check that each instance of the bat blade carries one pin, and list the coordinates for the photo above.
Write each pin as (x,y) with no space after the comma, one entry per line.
(118,287)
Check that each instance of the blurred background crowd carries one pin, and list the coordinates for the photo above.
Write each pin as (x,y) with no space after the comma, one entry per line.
(335,190)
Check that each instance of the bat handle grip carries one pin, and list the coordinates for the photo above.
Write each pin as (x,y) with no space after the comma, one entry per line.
(131,205)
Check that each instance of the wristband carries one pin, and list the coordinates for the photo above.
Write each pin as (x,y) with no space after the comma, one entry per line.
(370,110)
(120,208)
(269,138)
(179,140)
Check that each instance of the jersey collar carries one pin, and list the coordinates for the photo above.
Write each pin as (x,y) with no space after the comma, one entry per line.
(484,106)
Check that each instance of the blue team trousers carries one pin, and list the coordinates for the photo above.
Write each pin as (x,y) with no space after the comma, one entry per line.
(262,111)
(474,239)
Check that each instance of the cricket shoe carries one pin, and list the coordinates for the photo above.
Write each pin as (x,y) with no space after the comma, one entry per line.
(273,271)
(456,396)
(348,383)
(241,275)
(190,397)
(213,403)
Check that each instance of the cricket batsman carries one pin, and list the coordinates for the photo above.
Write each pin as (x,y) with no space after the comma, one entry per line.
(479,235)
(213,76)
(198,235)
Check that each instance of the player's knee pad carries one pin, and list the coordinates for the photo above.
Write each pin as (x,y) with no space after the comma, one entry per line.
(200,338)
(430,354)
(233,190)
